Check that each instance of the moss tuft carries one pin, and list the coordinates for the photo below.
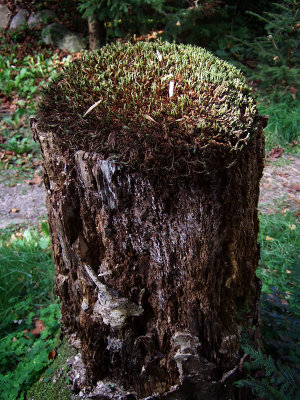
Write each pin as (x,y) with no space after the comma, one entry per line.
(162,105)
(53,384)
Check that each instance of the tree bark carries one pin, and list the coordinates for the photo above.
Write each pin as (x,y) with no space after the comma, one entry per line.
(156,278)
(97,33)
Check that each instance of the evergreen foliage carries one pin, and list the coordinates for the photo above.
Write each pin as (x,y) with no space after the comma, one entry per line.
(278,51)
(274,59)
(274,369)
(276,381)
(123,17)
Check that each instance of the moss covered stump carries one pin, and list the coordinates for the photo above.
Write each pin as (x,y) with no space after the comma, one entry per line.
(153,154)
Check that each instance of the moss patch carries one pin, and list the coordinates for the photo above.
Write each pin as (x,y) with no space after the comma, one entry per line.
(165,106)
(53,384)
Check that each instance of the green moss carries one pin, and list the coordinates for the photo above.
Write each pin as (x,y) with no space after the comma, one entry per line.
(136,118)
(45,389)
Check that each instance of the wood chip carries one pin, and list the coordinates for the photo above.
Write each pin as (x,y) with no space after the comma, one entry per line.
(91,108)
(150,118)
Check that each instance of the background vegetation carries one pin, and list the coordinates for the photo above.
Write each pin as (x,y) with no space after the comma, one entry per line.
(262,39)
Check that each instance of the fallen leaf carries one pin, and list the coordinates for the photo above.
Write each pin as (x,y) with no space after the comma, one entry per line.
(8,153)
(269,239)
(275,153)
(288,271)
(51,355)
(36,180)
(296,187)
(15,210)
(39,326)
(293,90)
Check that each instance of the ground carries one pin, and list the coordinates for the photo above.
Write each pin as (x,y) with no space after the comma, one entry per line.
(24,202)
(280,185)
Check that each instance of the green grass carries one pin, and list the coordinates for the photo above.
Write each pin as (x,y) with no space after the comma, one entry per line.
(278,238)
(26,271)
(26,295)
(284,118)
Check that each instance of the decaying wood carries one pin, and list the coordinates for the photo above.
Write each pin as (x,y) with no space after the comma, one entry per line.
(157,280)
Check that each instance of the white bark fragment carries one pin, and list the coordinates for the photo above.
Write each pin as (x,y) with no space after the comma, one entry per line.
(114,310)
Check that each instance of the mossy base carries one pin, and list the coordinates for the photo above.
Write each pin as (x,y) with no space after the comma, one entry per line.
(54,383)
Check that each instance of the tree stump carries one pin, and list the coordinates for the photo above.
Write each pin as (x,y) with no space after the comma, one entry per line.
(153,216)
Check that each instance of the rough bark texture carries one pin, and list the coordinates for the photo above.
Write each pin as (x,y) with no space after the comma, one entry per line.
(96,33)
(157,279)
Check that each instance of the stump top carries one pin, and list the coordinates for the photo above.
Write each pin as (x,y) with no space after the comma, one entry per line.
(165,106)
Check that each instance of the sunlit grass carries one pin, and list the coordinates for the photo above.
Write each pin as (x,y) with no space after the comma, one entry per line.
(26,295)
(284,118)
(279,241)
(26,275)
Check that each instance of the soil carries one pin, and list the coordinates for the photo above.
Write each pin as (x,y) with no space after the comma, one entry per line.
(21,204)
(24,203)
(280,185)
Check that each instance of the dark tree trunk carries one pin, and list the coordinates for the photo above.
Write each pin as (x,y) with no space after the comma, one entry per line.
(97,33)
(157,280)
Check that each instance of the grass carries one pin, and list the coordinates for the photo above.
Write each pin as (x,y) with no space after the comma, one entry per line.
(26,300)
(284,118)
(26,270)
(278,239)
